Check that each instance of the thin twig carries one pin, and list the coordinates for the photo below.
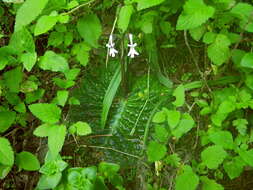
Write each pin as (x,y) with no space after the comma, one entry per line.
(195,61)
(78,7)
(112,149)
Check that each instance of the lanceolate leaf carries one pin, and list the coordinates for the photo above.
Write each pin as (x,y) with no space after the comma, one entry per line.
(194,14)
(109,95)
(6,152)
(56,139)
(29,12)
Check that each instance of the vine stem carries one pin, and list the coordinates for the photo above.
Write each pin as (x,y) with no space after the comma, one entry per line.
(78,7)
(195,61)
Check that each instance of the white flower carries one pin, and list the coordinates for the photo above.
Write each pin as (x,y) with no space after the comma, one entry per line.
(110,46)
(132,52)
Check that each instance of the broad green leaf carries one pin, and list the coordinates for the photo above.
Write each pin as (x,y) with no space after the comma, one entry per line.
(49,182)
(81,51)
(53,62)
(241,126)
(21,108)
(222,138)
(90,29)
(213,156)
(234,168)
(13,78)
(48,113)
(173,160)
(247,156)
(42,130)
(209,184)
(22,41)
(4,170)
(52,167)
(144,4)
(247,61)
(198,32)
(161,133)
(28,12)
(28,86)
(187,180)
(29,60)
(180,96)
(243,11)
(209,37)
(62,97)
(194,14)
(34,96)
(159,117)
(184,126)
(44,24)
(156,151)
(27,161)
(124,17)
(173,118)
(56,139)
(72,73)
(6,152)
(219,51)
(108,169)
(7,118)
(82,128)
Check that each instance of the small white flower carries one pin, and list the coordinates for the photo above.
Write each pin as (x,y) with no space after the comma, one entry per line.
(110,46)
(132,52)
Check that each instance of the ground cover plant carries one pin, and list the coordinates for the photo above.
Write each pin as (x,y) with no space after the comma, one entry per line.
(126,94)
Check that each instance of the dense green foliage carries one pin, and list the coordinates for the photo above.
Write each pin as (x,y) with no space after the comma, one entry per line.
(84,107)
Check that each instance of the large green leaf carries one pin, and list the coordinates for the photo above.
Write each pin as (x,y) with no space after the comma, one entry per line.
(173,118)
(7,118)
(219,51)
(27,161)
(53,62)
(22,40)
(49,182)
(48,113)
(213,156)
(6,152)
(56,139)
(244,12)
(13,78)
(144,4)
(29,60)
(44,24)
(209,184)
(29,12)
(234,168)
(156,151)
(187,180)
(184,126)
(195,13)
(247,156)
(89,27)
(247,60)
(222,138)
(124,17)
